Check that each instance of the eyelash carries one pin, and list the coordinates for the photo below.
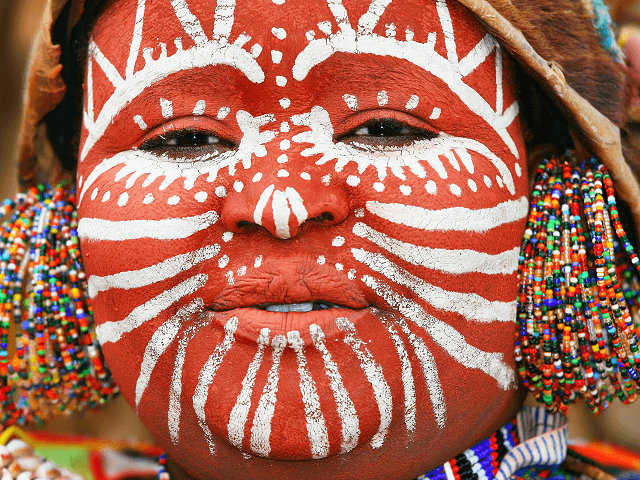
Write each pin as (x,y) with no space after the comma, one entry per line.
(192,142)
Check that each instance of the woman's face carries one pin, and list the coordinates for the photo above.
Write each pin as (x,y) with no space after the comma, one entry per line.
(300,222)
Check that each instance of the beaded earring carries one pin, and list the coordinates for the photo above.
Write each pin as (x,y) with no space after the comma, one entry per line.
(50,360)
(579,289)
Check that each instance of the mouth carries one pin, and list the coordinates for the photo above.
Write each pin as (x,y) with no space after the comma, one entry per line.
(302,307)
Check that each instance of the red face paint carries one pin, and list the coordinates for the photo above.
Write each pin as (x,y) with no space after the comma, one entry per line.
(298,251)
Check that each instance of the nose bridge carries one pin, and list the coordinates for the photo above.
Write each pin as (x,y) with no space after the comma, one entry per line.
(284,194)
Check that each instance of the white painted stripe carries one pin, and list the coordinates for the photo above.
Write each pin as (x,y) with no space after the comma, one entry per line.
(375,376)
(371,17)
(430,372)
(344,405)
(206,376)
(240,411)
(470,305)
(153,274)
(407,378)
(107,67)
(223,19)
(159,342)
(175,390)
(189,22)
(452,219)
(166,229)
(281,214)
(134,49)
(452,341)
(442,259)
(261,428)
(113,331)
(262,203)
(297,205)
(167,108)
(316,426)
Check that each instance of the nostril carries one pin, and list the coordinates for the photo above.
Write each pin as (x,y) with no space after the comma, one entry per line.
(326,217)
(243,224)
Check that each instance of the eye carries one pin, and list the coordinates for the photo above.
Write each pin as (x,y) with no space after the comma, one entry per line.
(385,132)
(186,143)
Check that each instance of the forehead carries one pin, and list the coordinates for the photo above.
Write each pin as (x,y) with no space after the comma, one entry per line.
(293,35)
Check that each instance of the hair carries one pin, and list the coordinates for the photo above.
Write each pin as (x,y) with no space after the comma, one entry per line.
(65,121)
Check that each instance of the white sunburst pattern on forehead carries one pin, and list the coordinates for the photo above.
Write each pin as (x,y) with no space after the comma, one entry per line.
(450,69)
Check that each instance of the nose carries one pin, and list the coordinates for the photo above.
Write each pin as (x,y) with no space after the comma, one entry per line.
(282,208)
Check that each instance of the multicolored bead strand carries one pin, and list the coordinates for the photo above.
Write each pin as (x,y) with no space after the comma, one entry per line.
(577,314)
(50,360)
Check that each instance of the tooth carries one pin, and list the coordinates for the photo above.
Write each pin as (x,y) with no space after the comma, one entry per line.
(301,307)
(290,307)
(278,308)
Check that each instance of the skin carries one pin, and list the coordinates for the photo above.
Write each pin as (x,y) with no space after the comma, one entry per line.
(389,183)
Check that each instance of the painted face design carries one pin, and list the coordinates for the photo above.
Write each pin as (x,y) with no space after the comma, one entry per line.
(301,223)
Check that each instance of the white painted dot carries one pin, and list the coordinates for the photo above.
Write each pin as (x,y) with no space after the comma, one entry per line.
(106,196)
(338,241)
(221,191)
(281,81)
(339,267)
(472,185)
(200,107)
(378,186)
(282,158)
(173,200)
(223,112)
(325,27)
(352,274)
(148,198)
(359,212)
(487,181)
(278,2)
(257,262)
(140,122)
(408,34)
(80,180)
(310,35)
(241,271)
(431,187)
(284,103)
(412,103)
(455,189)
(123,199)
(284,127)
(201,196)
(226,236)
(257,177)
(326,180)
(256,50)
(383,98)
(518,170)
(305,176)
(499,180)
(435,114)
(223,261)
(94,194)
(279,33)
(321,260)
(283,173)
(238,186)
(276,56)
(285,144)
(351,101)
(405,189)
(229,276)
(167,108)
(353,180)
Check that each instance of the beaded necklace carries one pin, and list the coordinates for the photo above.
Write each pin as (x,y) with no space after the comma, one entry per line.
(480,462)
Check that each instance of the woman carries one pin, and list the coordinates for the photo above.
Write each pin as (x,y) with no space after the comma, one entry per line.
(300,223)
